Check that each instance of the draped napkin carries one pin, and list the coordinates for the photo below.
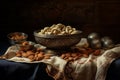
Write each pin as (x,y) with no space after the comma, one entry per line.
(90,68)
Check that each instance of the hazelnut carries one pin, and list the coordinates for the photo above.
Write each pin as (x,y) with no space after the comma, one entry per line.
(29,53)
(24,54)
(31,57)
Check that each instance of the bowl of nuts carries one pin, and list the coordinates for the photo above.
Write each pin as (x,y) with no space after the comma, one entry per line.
(58,36)
(17,37)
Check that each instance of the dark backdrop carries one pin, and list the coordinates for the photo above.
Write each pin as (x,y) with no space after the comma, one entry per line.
(102,16)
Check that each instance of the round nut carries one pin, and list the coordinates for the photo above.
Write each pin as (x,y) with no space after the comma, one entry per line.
(24,54)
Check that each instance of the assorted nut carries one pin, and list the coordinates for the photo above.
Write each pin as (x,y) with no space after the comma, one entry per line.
(29,51)
(58,29)
(78,53)
(17,36)
(83,50)
(33,53)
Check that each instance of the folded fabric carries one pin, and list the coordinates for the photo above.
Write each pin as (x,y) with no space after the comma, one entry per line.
(91,68)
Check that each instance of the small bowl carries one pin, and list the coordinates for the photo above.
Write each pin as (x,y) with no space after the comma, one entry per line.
(57,41)
(17,37)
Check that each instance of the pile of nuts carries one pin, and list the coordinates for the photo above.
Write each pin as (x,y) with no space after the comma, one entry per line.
(29,51)
(17,36)
(36,54)
(78,53)
(58,29)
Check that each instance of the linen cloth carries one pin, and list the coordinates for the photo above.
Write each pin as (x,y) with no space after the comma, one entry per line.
(91,68)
